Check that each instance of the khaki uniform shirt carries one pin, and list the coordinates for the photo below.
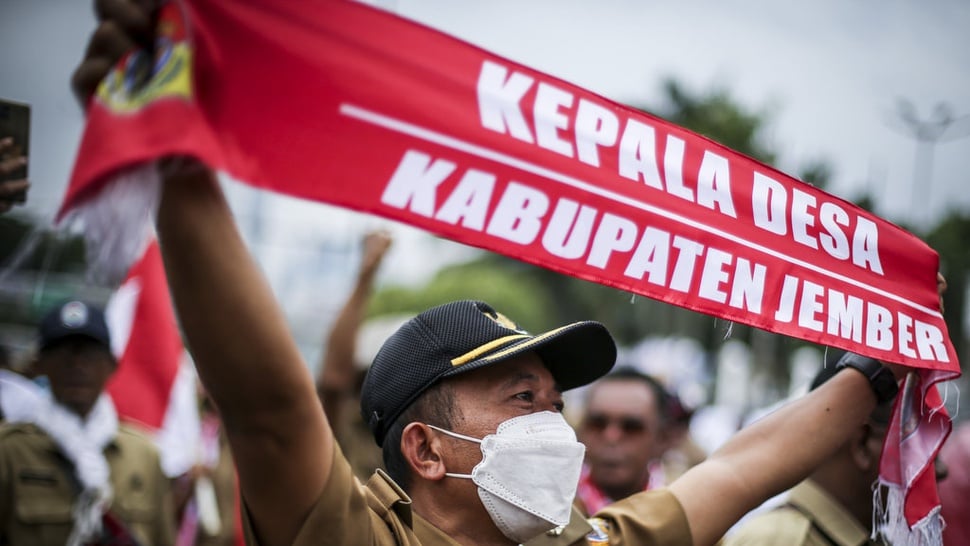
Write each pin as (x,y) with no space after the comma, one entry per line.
(810,518)
(38,488)
(379,513)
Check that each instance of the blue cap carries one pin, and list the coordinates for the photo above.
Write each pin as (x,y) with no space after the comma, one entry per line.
(74,318)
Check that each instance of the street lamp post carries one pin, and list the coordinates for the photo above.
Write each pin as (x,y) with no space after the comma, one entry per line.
(927,133)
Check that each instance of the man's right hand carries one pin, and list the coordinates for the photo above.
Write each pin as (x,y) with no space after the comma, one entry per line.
(123,26)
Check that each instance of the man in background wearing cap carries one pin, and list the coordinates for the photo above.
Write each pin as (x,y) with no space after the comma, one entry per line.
(834,505)
(70,474)
(466,405)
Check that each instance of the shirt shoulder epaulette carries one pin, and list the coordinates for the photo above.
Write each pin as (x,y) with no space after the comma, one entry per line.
(23,432)
(783,525)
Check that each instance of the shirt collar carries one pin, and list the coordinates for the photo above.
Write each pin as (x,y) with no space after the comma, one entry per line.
(429,535)
(830,516)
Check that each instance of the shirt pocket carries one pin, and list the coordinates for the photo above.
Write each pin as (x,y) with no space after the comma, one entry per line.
(43,497)
(136,498)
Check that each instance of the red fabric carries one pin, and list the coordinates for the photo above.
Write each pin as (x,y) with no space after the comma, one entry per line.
(113,533)
(353,106)
(592,497)
(955,489)
(147,367)
(919,427)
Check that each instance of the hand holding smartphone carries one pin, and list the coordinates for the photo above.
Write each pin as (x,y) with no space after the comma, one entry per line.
(14,142)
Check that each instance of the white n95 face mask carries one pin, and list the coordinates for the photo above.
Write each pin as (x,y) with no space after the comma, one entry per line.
(528,474)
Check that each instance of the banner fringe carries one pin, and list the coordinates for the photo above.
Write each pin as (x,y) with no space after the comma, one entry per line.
(118,222)
(889,521)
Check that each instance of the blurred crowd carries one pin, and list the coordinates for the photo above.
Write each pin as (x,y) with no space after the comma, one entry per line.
(69,465)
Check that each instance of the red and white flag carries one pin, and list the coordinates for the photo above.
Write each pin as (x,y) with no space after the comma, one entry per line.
(154,385)
(346,104)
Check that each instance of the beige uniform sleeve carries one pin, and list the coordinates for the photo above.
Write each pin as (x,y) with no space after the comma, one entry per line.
(651,518)
(349,514)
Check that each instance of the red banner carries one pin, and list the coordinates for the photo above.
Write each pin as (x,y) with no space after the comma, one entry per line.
(356,107)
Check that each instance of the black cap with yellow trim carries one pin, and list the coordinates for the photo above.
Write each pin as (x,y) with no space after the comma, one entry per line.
(462,336)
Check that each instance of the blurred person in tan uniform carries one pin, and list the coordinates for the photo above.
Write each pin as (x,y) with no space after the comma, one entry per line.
(341,372)
(833,507)
(72,474)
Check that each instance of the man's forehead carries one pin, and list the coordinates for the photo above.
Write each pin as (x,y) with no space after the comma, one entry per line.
(631,385)
(520,376)
(620,393)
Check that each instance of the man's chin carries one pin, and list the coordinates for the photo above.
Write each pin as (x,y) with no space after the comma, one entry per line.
(611,479)
(79,402)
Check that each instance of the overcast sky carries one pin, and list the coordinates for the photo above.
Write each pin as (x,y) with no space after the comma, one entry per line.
(830,71)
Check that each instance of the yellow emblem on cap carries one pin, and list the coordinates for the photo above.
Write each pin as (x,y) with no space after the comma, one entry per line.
(503,321)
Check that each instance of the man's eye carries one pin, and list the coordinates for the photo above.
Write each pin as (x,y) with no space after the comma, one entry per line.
(525,395)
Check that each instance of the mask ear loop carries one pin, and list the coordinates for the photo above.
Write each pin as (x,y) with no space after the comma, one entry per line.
(460,437)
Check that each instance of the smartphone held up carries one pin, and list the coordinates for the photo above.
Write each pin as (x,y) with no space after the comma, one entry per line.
(14,144)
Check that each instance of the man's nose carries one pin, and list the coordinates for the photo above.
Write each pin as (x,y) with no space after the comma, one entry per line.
(613,431)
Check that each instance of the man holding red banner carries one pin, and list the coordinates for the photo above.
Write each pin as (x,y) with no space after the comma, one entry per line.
(453,377)
(297,486)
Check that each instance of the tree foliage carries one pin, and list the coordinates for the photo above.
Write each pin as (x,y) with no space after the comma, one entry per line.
(41,248)
(949,238)
(718,116)
(38,267)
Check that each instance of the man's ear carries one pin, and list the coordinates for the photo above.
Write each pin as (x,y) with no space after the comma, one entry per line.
(865,448)
(422,448)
